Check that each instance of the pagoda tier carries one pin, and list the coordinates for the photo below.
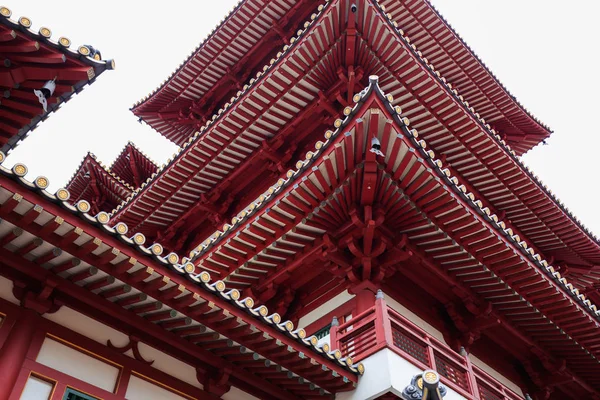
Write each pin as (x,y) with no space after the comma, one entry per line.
(346,219)
(59,255)
(245,41)
(97,185)
(106,188)
(31,59)
(280,113)
(133,166)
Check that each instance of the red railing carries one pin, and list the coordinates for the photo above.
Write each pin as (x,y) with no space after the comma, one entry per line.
(382,327)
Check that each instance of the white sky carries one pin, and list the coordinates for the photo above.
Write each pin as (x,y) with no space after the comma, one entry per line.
(544,51)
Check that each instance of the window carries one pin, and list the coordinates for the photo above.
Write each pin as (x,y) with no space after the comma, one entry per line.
(323,332)
(72,394)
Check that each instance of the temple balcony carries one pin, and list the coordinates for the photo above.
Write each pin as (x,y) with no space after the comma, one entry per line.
(395,350)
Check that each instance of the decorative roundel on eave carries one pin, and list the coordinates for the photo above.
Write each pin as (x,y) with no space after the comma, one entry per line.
(41,182)
(121,228)
(64,42)
(20,170)
(83,206)
(63,194)
(103,217)
(25,22)
(45,32)
(84,50)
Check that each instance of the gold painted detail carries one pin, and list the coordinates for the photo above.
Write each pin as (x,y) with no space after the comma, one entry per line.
(63,194)
(83,206)
(5,12)
(20,169)
(42,182)
(45,32)
(84,50)
(24,21)
(65,42)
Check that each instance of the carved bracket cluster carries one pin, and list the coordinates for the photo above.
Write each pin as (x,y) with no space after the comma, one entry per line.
(38,299)
(215,382)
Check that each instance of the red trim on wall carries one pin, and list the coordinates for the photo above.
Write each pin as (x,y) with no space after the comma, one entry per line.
(94,349)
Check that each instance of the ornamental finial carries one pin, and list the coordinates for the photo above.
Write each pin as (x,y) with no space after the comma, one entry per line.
(335,322)
(379,294)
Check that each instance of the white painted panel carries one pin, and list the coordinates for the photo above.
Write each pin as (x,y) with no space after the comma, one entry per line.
(400,309)
(6,293)
(139,389)
(326,308)
(77,364)
(237,394)
(169,365)
(36,389)
(87,326)
(376,380)
(386,372)
(496,375)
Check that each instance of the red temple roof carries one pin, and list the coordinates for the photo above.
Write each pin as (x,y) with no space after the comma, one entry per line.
(97,185)
(426,210)
(474,150)
(133,166)
(102,262)
(168,108)
(31,59)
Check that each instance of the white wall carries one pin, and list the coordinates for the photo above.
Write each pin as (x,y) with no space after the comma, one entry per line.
(6,287)
(405,312)
(170,365)
(438,335)
(326,308)
(496,375)
(140,389)
(87,326)
(36,389)
(77,364)
(385,371)
(101,333)
(237,394)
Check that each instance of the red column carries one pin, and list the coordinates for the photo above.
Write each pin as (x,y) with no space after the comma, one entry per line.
(365,299)
(12,354)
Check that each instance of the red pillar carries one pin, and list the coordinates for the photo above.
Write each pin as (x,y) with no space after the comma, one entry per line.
(365,299)
(12,354)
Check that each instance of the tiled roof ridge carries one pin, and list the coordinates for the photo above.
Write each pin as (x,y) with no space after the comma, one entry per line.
(339,124)
(92,156)
(216,117)
(480,61)
(172,261)
(84,52)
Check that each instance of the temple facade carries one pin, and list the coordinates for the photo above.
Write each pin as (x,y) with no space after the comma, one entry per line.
(346,217)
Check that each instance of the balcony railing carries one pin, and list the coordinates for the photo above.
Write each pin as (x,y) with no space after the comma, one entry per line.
(382,327)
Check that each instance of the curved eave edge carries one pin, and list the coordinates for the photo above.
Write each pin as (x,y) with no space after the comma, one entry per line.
(62,45)
(488,129)
(172,262)
(103,168)
(532,117)
(221,113)
(150,97)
